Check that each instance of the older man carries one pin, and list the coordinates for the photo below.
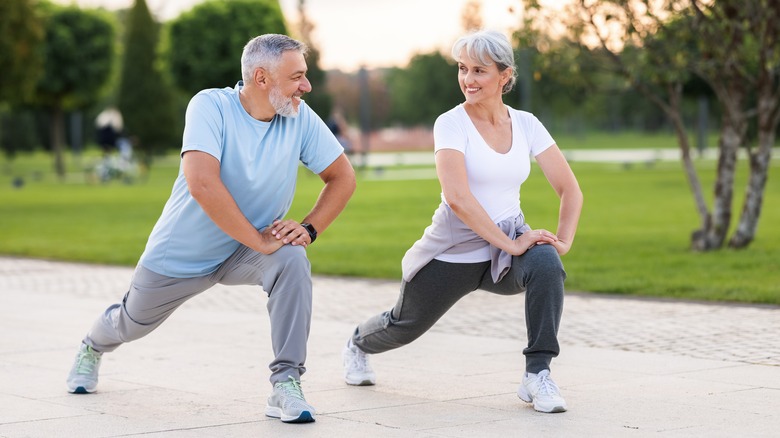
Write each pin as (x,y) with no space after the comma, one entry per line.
(225,220)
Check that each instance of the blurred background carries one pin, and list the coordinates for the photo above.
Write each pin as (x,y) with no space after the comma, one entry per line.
(684,93)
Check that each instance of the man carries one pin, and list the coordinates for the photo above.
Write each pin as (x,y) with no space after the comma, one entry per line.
(224,220)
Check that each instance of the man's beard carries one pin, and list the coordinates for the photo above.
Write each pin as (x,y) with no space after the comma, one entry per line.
(282,104)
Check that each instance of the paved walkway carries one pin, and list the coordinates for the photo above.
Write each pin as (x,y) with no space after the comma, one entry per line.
(629,367)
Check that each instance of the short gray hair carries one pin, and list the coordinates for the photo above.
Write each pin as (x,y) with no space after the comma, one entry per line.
(488,47)
(265,51)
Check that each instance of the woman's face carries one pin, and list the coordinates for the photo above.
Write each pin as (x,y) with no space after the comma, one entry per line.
(479,82)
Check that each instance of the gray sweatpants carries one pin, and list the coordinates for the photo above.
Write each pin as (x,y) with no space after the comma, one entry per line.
(439,285)
(285,275)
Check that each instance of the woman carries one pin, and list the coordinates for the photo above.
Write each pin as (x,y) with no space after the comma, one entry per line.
(479,238)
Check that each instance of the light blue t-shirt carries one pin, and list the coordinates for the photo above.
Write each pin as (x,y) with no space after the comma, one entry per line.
(259,165)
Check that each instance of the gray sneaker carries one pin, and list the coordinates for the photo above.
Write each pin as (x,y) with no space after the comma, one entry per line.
(357,370)
(83,377)
(287,403)
(540,390)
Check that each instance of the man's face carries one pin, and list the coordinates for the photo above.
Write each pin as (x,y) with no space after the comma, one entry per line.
(289,84)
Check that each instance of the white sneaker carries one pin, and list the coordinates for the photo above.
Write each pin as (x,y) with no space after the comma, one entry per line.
(287,403)
(83,376)
(540,390)
(357,370)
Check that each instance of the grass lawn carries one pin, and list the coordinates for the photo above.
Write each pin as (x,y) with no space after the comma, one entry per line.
(633,236)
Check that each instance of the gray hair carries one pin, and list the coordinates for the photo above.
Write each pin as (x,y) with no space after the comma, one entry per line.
(488,47)
(266,51)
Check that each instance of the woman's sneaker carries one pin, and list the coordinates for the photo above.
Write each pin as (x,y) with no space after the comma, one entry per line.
(83,377)
(540,390)
(287,403)
(357,370)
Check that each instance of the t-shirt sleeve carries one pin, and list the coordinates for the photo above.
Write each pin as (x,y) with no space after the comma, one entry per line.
(320,147)
(203,126)
(448,133)
(537,136)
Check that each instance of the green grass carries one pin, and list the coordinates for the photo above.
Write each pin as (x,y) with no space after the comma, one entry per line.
(633,237)
(625,140)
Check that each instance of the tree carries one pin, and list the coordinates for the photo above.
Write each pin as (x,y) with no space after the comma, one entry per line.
(471,16)
(422,91)
(21,33)
(78,55)
(740,46)
(318,99)
(145,99)
(733,47)
(205,44)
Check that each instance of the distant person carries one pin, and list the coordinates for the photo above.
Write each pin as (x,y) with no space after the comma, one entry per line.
(338,126)
(225,220)
(108,128)
(479,238)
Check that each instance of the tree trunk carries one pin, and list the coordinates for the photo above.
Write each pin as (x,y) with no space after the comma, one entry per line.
(674,112)
(759,170)
(724,187)
(713,233)
(57,128)
(768,117)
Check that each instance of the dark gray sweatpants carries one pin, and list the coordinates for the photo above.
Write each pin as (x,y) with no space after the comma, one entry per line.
(285,275)
(439,285)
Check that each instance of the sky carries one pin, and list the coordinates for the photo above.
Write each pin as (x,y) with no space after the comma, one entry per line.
(374,33)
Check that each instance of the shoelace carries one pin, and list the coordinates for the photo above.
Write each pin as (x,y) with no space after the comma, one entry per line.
(359,361)
(546,385)
(293,388)
(88,359)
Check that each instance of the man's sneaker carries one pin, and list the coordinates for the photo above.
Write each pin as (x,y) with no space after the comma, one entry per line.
(83,377)
(357,370)
(540,390)
(287,402)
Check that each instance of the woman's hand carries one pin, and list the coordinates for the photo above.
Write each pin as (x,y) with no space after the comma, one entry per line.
(531,238)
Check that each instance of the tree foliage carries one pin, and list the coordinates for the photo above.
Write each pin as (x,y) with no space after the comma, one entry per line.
(21,33)
(205,43)
(145,99)
(78,55)
(422,91)
(728,48)
(318,99)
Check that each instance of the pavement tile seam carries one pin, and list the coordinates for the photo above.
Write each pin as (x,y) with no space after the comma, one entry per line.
(698,330)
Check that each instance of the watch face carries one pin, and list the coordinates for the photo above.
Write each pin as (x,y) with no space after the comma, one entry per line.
(311,230)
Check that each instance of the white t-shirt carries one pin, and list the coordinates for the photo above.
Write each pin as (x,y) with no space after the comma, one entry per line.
(493,178)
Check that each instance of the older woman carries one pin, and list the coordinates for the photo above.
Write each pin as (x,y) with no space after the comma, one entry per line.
(479,238)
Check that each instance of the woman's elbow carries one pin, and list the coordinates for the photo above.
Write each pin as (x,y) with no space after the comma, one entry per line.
(456,201)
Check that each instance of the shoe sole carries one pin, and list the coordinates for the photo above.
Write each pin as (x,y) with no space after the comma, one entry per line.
(524,396)
(365,382)
(273,412)
(81,390)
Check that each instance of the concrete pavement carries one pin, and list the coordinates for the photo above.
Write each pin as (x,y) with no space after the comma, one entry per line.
(628,367)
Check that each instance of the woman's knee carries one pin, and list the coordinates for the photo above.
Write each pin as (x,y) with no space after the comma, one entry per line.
(542,263)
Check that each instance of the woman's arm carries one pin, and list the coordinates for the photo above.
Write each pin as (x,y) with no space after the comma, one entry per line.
(562,179)
(451,169)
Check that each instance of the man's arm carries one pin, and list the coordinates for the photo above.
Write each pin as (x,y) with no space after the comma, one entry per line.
(201,171)
(339,179)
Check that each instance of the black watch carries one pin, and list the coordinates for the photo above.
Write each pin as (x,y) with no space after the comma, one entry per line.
(311,230)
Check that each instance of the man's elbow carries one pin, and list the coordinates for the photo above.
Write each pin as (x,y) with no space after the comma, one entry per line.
(199,188)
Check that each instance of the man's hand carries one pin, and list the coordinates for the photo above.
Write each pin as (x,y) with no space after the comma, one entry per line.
(289,232)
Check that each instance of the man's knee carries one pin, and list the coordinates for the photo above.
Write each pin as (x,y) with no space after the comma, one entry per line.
(291,258)
(290,268)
